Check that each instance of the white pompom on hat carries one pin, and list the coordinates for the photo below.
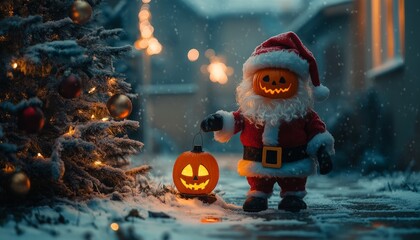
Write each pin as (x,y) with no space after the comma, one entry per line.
(286,50)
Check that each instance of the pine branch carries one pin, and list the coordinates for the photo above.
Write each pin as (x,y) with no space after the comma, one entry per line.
(139,170)
(10,107)
(66,50)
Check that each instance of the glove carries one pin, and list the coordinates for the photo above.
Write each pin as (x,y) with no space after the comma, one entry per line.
(213,122)
(324,160)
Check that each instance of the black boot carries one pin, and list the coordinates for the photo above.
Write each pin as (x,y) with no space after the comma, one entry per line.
(255,204)
(292,204)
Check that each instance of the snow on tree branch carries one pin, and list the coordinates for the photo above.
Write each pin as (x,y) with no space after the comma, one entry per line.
(66,50)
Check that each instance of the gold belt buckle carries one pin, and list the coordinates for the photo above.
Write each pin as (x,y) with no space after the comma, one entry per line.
(266,151)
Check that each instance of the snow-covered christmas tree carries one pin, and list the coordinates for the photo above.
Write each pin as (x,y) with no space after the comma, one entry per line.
(62,105)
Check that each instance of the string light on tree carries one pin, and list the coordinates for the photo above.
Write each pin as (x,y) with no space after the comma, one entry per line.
(147,41)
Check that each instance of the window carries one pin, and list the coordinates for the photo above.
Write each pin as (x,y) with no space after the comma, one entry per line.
(387,34)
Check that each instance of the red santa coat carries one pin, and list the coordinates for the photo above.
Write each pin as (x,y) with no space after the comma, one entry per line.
(309,130)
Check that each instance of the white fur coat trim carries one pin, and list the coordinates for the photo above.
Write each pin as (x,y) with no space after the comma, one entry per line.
(322,138)
(276,59)
(226,133)
(255,193)
(270,136)
(301,168)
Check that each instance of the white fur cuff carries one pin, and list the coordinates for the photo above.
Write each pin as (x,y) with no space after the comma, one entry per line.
(226,133)
(276,59)
(324,138)
(255,193)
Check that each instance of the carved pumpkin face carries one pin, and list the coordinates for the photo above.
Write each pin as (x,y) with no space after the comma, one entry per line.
(195,173)
(275,83)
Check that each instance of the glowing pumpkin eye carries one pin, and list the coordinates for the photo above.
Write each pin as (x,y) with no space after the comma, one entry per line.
(282,80)
(202,171)
(266,78)
(187,171)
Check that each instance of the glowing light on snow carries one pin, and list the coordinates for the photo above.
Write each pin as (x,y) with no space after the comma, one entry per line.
(193,55)
(14,65)
(92,90)
(114,226)
(39,155)
(210,219)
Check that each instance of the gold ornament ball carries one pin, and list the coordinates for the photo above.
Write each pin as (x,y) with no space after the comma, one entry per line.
(80,12)
(119,106)
(20,183)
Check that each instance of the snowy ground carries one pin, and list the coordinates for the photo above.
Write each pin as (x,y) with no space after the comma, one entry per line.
(340,207)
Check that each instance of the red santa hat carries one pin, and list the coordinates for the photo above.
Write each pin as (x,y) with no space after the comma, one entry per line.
(286,50)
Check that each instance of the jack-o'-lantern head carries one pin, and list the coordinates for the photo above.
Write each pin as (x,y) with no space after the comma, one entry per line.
(275,83)
(195,172)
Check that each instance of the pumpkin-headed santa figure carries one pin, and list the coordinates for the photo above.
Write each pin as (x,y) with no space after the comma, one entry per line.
(283,137)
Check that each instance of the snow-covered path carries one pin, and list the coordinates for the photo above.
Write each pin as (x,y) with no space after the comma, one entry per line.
(339,207)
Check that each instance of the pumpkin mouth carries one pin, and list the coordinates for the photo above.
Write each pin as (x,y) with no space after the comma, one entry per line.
(276,90)
(195,186)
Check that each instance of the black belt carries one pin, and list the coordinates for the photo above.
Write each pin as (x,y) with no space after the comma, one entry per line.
(287,154)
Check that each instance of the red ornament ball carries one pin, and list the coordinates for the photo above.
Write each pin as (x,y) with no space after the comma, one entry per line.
(70,87)
(119,106)
(31,119)
(80,12)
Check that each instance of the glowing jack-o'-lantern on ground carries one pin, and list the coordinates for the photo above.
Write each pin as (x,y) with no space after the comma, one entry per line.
(195,172)
(275,83)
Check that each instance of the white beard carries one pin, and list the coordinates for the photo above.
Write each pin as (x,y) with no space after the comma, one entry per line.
(260,110)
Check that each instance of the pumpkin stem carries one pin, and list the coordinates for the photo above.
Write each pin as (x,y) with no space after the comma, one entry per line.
(197,149)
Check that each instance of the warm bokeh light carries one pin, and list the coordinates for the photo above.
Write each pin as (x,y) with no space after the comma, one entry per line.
(209,53)
(105,119)
(146,31)
(144,14)
(217,69)
(147,41)
(217,72)
(146,1)
(39,155)
(114,226)
(14,65)
(193,55)
(154,47)
(93,116)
